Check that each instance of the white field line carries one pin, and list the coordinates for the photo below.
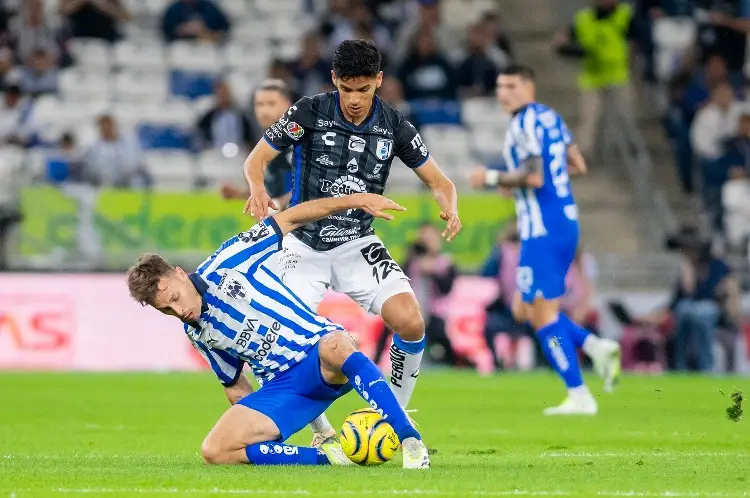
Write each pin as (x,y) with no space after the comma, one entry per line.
(404,492)
(667,454)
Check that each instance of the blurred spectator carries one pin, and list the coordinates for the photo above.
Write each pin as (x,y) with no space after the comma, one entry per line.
(712,127)
(6,66)
(677,124)
(270,101)
(39,74)
(311,73)
(280,70)
(225,124)
(195,20)
(94,18)
(360,24)
(428,18)
(66,163)
(600,36)
(426,73)
(737,155)
(31,31)
(114,160)
(491,23)
(17,126)
(723,28)
(706,296)
(392,92)
(510,342)
(432,274)
(477,73)
(736,191)
(712,74)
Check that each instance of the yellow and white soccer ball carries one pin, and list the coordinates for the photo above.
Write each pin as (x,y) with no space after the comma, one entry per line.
(367,439)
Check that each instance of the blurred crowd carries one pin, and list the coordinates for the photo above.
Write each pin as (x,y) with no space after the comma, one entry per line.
(425,61)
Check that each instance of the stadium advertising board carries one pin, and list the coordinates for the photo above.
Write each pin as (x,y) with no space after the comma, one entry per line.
(115,225)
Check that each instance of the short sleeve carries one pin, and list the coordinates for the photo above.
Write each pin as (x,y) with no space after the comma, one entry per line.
(409,145)
(226,367)
(531,133)
(292,127)
(246,249)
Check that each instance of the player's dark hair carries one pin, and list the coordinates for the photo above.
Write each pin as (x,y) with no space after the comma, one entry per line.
(144,276)
(276,85)
(524,72)
(356,58)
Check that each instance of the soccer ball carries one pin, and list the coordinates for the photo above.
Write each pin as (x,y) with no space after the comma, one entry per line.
(367,439)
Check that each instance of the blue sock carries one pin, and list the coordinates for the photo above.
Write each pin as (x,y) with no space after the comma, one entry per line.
(369,382)
(272,453)
(560,351)
(577,333)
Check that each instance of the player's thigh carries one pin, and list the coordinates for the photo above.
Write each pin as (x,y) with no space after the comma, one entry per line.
(305,271)
(239,427)
(363,268)
(520,309)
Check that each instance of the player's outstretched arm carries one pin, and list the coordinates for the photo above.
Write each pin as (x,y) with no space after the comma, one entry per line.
(310,211)
(528,175)
(255,169)
(576,162)
(445,194)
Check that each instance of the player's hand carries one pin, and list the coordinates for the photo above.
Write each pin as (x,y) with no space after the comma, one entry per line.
(452,226)
(258,203)
(478,177)
(505,191)
(375,205)
(229,191)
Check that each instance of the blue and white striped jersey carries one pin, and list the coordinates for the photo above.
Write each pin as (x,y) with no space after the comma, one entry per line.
(248,314)
(549,211)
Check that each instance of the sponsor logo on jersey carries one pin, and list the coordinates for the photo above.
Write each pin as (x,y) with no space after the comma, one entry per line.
(322,123)
(377,129)
(356,144)
(283,120)
(352,166)
(328,138)
(256,233)
(273,131)
(294,130)
(384,148)
(266,342)
(417,143)
(375,174)
(332,233)
(324,160)
(291,110)
(343,185)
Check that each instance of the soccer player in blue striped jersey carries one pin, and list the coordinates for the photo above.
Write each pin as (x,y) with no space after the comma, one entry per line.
(236,311)
(539,154)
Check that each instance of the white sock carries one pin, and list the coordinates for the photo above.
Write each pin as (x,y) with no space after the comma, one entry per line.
(591,346)
(322,425)
(406,356)
(579,392)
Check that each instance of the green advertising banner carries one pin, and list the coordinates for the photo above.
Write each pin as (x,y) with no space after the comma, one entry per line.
(196,223)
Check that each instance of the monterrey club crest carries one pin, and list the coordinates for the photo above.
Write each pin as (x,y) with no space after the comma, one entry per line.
(384,148)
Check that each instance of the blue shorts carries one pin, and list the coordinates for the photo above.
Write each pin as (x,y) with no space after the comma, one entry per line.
(296,397)
(543,264)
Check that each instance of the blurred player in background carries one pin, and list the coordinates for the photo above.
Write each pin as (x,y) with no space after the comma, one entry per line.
(539,153)
(345,141)
(237,311)
(270,100)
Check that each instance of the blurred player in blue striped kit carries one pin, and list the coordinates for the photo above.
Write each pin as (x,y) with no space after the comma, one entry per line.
(237,311)
(539,154)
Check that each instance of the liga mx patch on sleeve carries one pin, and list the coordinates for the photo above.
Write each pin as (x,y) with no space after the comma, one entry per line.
(294,130)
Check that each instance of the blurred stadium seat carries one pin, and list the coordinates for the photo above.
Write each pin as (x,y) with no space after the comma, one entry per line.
(214,169)
(91,53)
(246,57)
(171,170)
(192,56)
(139,54)
(141,86)
(85,84)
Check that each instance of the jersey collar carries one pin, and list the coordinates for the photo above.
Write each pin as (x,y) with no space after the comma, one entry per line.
(368,119)
(202,287)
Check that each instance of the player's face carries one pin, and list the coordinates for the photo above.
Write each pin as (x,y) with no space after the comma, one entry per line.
(356,94)
(514,92)
(269,106)
(178,297)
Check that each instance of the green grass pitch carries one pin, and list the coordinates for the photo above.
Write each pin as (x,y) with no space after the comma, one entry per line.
(138,435)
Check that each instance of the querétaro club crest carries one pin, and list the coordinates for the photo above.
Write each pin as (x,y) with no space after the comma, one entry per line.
(384,148)
(256,233)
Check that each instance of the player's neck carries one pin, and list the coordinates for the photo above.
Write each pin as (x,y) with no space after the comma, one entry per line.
(522,106)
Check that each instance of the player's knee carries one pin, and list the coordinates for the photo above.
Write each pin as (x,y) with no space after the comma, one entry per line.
(212,452)
(412,327)
(336,347)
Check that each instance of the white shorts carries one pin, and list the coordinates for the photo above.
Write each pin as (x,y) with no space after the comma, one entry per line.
(362,269)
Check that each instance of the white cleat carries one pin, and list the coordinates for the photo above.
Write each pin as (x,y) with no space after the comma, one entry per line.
(319,439)
(607,363)
(575,405)
(415,454)
(334,453)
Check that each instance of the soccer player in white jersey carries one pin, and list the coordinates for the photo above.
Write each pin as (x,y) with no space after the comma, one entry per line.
(539,154)
(237,311)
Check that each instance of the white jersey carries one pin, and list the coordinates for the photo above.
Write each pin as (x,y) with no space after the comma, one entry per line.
(248,314)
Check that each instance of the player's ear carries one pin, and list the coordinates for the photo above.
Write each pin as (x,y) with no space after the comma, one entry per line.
(181,274)
(379,79)
(334,79)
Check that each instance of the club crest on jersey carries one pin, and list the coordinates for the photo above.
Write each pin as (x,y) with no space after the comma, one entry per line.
(234,289)
(294,130)
(356,144)
(384,148)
